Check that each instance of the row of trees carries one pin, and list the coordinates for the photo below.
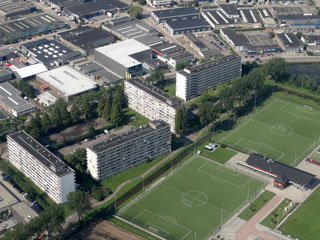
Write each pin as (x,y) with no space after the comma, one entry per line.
(110,105)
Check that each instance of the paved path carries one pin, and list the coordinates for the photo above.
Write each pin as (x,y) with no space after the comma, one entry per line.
(74,217)
(249,229)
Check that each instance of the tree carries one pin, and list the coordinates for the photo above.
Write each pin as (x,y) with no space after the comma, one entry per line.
(182,65)
(241,89)
(78,159)
(276,68)
(155,76)
(35,126)
(204,60)
(225,94)
(45,123)
(181,120)
(97,193)
(87,108)
(79,202)
(53,218)
(101,104)
(207,113)
(299,35)
(64,114)
(74,113)
(136,12)
(115,117)
(142,2)
(256,80)
(107,107)
(55,117)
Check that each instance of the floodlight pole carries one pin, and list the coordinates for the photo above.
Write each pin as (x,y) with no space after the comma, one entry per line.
(142,183)
(278,216)
(171,162)
(248,194)
(195,235)
(115,205)
(274,81)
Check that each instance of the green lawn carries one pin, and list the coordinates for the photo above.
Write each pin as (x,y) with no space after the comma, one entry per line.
(256,205)
(193,201)
(170,88)
(304,224)
(272,220)
(113,182)
(221,155)
(133,118)
(282,130)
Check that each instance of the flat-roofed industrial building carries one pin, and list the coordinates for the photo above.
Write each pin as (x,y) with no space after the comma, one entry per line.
(150,101)
(12,102)
(26,27)
(67,82)
(192,81)
(47,171)
(123,58)
(86,39)
(129,149)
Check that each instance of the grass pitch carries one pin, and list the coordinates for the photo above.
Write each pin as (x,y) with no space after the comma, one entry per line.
(282,130)
(304,224)
(192,203)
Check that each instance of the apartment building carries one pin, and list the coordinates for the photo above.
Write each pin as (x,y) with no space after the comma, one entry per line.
(159,3)
(150,101)
(46,170)
(192,81)
(129,149)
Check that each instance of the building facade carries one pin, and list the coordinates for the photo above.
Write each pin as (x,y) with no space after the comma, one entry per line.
(192,81)
(150,101)
(129,149)
(43,168)
(159,3)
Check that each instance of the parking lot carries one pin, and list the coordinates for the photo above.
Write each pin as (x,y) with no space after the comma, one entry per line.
(212,41)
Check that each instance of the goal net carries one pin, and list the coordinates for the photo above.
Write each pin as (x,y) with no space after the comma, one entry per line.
(308,107)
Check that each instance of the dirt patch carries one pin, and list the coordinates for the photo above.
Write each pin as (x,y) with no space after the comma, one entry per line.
(77,130)
(106,230)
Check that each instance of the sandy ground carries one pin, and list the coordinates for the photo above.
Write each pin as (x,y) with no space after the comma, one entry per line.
(106,230)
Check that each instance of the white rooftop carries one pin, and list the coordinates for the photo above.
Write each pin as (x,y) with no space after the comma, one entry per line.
(121,51)
(47,98)
(68,80)
(29,70)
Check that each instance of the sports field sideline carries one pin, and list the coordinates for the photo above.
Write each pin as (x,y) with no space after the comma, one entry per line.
(192,202)
(282,130)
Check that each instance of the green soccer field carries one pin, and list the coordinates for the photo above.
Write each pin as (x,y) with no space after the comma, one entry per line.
(282,130)
(192,203)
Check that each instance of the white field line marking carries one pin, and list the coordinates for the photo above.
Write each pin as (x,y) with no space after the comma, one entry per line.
(267,125)
(247,120)
(213,177)
(174,189)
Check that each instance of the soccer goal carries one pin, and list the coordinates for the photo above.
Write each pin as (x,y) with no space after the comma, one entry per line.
(308,107)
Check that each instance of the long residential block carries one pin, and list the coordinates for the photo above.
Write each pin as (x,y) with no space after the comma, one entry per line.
(150,101)
(46,170)
(192,81)
(129,149)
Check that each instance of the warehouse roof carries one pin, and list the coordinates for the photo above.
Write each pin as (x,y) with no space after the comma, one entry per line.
(121,51)
(11,97)
(85,8)
(249,15)
(6,198)
(175,12)
(24,211)
(298,17)
(68,80)
(289,40)
(28,71)
(155,92)
(237,39)
(29,26)
(265,13)
(128,136)
(86,38)
(165,48)
(213,63)
(47,158)
(277,168)
(47,51)
(218,17)
(312,38)
(191,23)
(230,9)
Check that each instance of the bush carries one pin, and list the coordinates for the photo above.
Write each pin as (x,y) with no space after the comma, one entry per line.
(136,12)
